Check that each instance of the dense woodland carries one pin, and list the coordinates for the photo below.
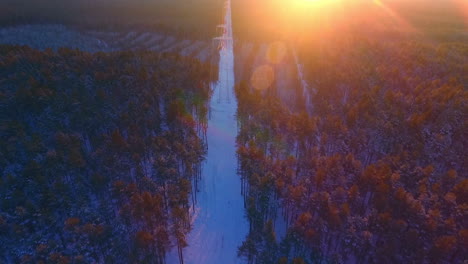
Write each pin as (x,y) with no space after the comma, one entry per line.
(375,171)
(100,154)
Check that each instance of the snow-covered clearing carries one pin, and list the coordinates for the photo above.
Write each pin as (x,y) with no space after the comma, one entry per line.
(219,226)
(305,86)
(57,36)
(50,36)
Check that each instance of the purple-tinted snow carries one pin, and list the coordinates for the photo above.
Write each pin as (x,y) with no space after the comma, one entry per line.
(219,225)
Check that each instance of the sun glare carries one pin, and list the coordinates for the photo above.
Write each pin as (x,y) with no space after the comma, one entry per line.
(302,17)
(311,4)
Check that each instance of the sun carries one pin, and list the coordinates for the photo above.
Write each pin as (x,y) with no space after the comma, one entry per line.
(297,9)
(314,3)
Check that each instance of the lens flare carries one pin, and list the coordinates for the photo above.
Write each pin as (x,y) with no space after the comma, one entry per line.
(263,77)
(399,21)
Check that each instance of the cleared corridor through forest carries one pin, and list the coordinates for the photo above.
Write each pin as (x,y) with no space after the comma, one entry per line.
(219,224)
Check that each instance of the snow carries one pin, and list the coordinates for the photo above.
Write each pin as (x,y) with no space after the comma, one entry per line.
(40,36)
(305,86)
(219,226)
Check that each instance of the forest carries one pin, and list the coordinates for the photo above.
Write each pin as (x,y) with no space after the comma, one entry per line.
(365,160)
(373,169)
(325,131)
(100,154)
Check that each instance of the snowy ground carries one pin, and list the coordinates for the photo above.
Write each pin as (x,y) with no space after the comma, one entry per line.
(50,36)
(219,226)
(304,85)
(57,36)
